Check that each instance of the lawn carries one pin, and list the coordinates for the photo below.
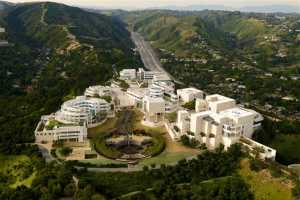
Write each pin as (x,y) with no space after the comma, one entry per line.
(173,152)
(26,182)
(263,185)
(166,158)
(15,168)
(287,146)
(101,160)
(108,125)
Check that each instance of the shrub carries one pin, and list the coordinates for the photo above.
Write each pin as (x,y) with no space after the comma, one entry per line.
(65,151)
(176,128)
(190,105)
(191,133)
(157,147)
(53,153)
(106,98)
(102,148)
(203,146)
(109,165)
(186,141)
(123,85)
(257,165)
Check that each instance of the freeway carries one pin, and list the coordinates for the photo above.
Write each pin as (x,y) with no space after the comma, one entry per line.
(148,55)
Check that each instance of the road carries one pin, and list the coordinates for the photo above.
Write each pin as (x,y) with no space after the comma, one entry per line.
(148,55)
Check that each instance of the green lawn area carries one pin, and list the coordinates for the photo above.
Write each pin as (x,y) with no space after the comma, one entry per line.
(263,185)
(26,182)
(15,167)
(166,158)
(108,125)
(101,160)
(287,146)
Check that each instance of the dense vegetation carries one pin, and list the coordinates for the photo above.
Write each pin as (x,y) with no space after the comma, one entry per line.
(207,166)
(284,137)
(220,188)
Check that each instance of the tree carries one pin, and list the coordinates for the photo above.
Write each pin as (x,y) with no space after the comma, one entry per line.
(190,105)
(65,151)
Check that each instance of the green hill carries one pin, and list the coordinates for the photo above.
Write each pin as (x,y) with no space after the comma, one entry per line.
(56,51)
(229,32)
(61,26)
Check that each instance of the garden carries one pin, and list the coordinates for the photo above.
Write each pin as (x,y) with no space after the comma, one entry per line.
(124,138)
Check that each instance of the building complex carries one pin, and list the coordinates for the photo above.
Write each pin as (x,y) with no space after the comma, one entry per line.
(215,120)
(219,120)
(72,120)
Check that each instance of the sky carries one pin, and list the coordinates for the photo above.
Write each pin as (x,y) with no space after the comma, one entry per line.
(134,4)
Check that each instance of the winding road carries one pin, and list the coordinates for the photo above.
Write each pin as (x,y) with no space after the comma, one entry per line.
(148,55)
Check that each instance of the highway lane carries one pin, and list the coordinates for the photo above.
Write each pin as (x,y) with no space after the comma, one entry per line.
(148,55)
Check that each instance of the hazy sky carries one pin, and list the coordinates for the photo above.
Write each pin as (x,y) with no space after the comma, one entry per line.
(156,3)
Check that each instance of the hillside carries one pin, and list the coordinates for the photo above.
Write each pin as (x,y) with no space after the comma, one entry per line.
(64,27)
(219,29)
(56,51)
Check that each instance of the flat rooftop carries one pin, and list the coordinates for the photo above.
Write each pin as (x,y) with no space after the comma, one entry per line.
(189,90)
(236,112)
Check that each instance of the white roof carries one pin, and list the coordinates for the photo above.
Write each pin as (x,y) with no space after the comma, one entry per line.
(218,98)
(128,71)
(189,90)
(154,99)
(236,113)
(139,92)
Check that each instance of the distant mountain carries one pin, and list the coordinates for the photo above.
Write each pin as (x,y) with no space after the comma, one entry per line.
(4,5)
(272,9)
(194,7)
(261,9)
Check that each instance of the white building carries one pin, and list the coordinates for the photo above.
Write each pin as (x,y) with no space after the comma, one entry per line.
(128,74)
(189,94)
(136,96)
(154,108)
(218,120)
(217,103)
(97,91)
(155,91)
(44,133)
(2,30)
(167,87)
(82,110)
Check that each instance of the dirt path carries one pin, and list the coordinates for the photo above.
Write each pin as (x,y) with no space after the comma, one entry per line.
(45,9)
(175,147)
